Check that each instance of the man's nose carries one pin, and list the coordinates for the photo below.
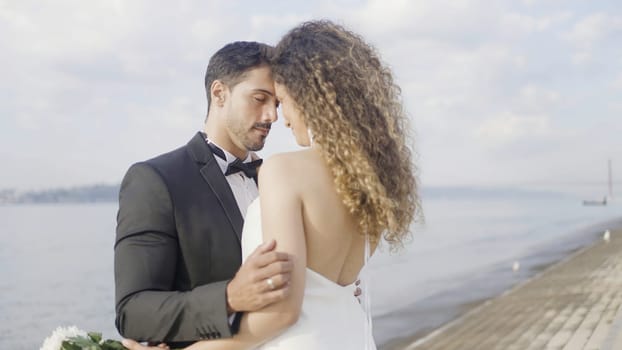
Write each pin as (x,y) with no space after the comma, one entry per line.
(270,115)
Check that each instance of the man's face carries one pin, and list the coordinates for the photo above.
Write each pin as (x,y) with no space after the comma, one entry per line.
(251,109)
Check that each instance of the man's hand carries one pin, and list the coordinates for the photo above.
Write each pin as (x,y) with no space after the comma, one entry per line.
(134,345)
(262,280)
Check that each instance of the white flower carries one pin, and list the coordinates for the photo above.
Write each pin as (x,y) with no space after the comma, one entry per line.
(54,341)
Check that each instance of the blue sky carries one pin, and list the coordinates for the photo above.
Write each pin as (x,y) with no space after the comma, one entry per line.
(500,92)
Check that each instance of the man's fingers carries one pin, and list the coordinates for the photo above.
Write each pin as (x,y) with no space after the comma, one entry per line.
(265,247)
(262,279)
(275,282)
(275,295)
(266,259)
(130,344)
(134,345)
(275,269)
(264,254)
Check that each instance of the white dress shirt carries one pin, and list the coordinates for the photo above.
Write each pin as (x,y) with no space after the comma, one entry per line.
(244,188)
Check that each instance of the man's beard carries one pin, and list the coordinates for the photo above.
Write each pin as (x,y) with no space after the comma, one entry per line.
(257,146)
(251,143)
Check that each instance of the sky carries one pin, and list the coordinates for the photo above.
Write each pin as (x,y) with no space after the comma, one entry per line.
(500,93)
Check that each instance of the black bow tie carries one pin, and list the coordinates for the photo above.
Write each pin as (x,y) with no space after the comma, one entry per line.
(249,169)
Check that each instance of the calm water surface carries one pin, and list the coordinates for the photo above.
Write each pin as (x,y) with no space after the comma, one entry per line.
(56,262)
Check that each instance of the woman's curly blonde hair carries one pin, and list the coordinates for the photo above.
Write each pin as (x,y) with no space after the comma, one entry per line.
(353,108)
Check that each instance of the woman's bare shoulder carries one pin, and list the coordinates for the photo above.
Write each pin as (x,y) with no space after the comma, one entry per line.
(292,160)
(289,167)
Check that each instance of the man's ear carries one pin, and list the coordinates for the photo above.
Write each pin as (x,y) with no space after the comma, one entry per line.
(219,92)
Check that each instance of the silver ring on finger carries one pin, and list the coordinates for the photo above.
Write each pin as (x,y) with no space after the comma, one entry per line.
(270,283)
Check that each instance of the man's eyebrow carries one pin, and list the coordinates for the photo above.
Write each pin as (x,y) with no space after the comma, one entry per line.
(264,91)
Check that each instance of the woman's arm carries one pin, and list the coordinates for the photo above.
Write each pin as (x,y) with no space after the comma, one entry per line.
(281,215)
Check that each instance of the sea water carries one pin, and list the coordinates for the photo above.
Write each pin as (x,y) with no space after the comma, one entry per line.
(56,261)
(468,250)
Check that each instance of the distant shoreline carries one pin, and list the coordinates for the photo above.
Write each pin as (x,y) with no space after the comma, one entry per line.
(99,193)
(109,193)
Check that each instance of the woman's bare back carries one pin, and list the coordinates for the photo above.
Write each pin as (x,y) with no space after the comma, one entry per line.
(335,245)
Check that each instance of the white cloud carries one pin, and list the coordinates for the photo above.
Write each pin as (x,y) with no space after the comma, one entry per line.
(389,16)
(519,22)
(485,82)
(62,29)
(536,98)
(384,21)
(591,36)
(581,57)
(509,127)
(594,29)
(270,27)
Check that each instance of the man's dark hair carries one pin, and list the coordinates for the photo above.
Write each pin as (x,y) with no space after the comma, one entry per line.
(231,62)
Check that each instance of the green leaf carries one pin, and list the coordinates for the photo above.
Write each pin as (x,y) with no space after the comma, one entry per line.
(95,336)
(68,345)
(80,343)
(109,344)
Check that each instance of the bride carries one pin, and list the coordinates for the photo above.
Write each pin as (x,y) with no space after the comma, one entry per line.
(353,185)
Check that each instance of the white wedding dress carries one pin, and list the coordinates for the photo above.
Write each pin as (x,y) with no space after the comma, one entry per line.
(331,317)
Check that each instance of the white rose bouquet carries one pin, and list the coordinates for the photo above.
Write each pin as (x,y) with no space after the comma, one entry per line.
(72,338)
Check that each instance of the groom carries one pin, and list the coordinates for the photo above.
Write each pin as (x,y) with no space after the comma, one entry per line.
(178,272)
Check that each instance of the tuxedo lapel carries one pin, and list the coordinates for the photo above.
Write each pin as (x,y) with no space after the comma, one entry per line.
(216,180)
(212,174)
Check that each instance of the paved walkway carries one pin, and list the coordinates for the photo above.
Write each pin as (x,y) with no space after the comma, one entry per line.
(574,305)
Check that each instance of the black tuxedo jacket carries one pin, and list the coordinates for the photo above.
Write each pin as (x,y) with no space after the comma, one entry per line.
(177,246)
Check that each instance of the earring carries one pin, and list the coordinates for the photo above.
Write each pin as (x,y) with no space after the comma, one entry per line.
(310,134)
